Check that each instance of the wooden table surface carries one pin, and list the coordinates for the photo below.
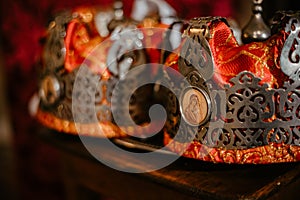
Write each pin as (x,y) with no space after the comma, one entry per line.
(86,177)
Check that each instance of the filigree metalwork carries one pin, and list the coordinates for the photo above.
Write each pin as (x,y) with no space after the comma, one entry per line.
(248,114)
(245,113)
(94,94)
(290,55)
(195,53)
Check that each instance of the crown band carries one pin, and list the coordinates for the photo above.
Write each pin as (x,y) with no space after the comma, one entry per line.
(247,114)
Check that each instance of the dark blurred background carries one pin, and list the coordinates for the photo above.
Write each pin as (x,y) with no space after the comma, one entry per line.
(29,167)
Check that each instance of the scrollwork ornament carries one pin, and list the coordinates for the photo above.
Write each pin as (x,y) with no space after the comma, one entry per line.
(255,115)
(289,58)
(196,53)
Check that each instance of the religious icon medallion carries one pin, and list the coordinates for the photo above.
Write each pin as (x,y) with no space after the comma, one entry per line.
(195,106)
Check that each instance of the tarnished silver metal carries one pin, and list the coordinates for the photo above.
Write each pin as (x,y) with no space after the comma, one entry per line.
(56,85)
(92,95)
(50,90)
(126,50)
(199,25)
(107,21)
(256,30)
(196,53)
(118,16)
(243,114)
(94,91)
(281,19)
(290,55)
(246,114)
(102,20)
(118,10)
(54,49)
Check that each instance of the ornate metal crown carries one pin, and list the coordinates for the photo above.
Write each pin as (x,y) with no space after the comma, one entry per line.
(253,115)
(237,103)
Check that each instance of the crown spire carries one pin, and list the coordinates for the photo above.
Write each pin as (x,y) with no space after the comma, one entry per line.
(256,30)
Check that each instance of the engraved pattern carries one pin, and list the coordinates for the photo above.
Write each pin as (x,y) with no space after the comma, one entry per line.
(195,52)
(90,95)
(247,114)
(290,56)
